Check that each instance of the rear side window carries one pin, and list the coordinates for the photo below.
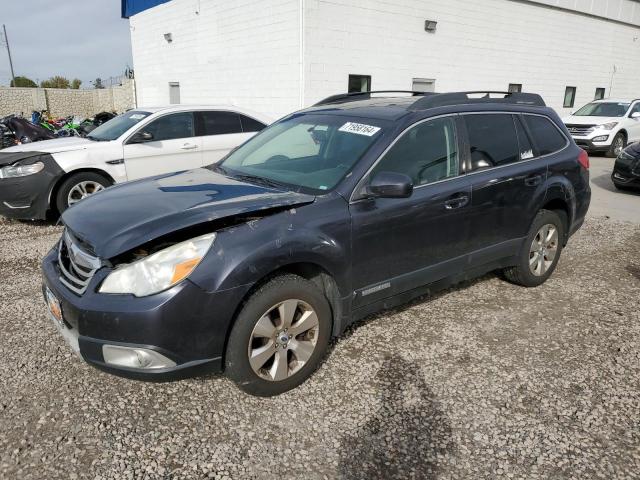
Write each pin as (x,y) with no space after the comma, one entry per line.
(220,123)
(546,136)
(251,124)
(492,140)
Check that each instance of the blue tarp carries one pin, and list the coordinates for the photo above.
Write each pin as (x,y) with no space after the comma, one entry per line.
(131,7)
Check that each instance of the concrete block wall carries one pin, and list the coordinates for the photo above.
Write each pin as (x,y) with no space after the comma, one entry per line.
(65,102)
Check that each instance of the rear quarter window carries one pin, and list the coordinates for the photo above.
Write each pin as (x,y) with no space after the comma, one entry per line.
(546,135)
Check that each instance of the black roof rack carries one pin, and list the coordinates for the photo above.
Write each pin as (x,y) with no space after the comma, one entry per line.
(355,96)
(461,98)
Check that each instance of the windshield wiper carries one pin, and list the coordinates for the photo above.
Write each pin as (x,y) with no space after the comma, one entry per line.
(260,180)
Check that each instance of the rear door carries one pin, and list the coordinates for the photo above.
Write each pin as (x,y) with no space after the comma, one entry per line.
(507,181)
(173,147)
(403,243)
(221,131)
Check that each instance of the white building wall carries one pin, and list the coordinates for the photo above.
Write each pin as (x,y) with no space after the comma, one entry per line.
(477,45)
(240,52)
(252,53)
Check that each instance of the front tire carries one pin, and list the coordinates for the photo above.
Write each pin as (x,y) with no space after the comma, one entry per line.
(279,337)
(540,252)
(79,186)
(617,145)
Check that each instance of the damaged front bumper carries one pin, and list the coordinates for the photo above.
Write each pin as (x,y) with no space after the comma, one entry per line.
(28,197)
(174,334)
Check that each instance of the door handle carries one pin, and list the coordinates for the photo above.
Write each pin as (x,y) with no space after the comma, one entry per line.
(188,146)
(456,202)
(533,180)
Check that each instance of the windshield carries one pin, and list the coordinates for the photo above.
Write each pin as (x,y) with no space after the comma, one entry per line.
(117,126)
(607,109)
(311,151)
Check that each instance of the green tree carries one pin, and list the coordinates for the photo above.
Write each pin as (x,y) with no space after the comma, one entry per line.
(23,82)
(98,83)
(55,82)
(75,83)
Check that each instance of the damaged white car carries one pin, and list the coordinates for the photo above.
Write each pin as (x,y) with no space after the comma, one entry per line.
(37,179)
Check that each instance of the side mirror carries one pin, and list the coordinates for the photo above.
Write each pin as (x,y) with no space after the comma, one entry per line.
(141,137)
(636,115)
(390,185)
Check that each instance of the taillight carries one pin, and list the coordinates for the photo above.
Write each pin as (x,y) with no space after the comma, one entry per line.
(583,159)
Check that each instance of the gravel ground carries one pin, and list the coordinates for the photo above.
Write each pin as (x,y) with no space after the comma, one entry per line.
(484,380)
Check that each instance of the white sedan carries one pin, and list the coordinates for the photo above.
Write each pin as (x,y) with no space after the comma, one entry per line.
(37,178)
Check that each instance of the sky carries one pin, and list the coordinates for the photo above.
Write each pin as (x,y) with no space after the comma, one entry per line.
(82,39)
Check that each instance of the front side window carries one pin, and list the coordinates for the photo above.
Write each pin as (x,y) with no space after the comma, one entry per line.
(306,152)
(569,97)
(427,153)
(171,127)
(220,123)
(603,109)
(546,136)
(117,126)
(635,109)
(492,140)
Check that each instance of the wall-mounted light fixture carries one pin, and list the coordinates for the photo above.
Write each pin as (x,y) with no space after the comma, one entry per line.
(430,26)
(168,37)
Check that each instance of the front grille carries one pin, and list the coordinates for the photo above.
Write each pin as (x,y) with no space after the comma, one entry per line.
(77,267)
(580,130)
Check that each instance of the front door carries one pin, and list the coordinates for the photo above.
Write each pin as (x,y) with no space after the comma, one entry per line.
(403,243)
(634,126)
(173,146)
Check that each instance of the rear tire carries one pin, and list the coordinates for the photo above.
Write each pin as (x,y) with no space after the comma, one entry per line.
(78,186)
(280,337)
(540,251)
(617,145)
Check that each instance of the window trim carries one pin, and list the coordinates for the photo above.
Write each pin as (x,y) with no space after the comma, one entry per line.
(463,140)
(573,97)
(151,120)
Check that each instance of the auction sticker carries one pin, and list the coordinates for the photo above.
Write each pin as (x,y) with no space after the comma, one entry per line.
(359,128)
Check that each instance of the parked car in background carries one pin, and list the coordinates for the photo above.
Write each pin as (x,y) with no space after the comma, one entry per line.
(605,125)
(54,174)
(358,204)
(626,170)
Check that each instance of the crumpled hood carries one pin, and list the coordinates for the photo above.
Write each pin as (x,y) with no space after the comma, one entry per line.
(585,120)
(126,216)
(55,145)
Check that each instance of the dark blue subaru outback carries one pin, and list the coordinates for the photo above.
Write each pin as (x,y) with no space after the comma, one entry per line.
(360,203)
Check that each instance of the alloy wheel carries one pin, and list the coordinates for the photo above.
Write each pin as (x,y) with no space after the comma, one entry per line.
(618,145)
(283,340)
(544,249)
(83,190)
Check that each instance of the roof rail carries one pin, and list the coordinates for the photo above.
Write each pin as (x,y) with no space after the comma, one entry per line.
(461,98)
(355,96)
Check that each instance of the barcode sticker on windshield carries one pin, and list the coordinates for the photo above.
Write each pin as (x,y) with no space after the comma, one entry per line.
(359,128)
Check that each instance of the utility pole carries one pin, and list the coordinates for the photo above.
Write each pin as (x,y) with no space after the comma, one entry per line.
(6,41)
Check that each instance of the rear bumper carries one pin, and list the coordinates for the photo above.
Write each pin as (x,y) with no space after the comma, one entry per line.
(184,324)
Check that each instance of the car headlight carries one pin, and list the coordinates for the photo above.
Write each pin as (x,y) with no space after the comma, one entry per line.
(13,171)
(608,126)
(159,271)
